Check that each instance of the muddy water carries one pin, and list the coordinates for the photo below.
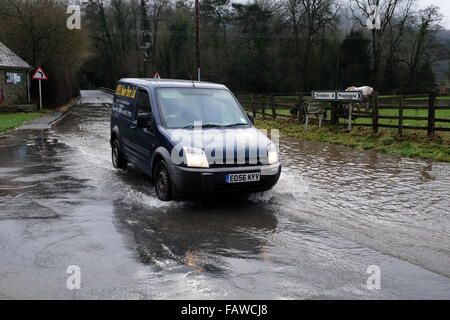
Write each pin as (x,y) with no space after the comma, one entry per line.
(397,206)
(334,212)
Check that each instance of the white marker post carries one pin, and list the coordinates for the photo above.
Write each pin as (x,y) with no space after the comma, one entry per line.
(40,95)
(40,75)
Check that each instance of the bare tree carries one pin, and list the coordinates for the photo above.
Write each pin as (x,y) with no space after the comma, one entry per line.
(421,45)
(395,34)
(28,13)
(156,8)
(317,16)
(135,14)
(45,41)
(361,14)
(218,11)
(294,11)
(121,14)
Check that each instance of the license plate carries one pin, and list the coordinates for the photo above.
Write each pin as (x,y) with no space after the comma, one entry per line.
(242,177)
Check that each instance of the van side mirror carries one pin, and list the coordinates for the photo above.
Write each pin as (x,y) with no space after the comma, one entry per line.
(142,120)
(145,120)
(251,118)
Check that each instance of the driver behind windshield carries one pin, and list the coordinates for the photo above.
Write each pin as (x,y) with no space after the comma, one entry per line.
(182,107)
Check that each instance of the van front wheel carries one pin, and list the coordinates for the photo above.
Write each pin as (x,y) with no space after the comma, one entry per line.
(118,161)
(162,182)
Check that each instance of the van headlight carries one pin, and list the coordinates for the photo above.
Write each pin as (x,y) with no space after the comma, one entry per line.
(195,157)
(272,156)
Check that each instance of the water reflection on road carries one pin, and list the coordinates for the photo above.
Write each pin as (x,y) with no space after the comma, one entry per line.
(335,212)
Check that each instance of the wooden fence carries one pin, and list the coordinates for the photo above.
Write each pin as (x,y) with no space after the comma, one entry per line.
(283,105)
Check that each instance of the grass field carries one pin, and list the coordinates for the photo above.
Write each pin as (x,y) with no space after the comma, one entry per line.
(12,120)
(413,143)
(445,98)
(442,114)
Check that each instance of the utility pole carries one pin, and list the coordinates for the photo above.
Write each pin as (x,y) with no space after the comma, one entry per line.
(197,37)
(337,73)
(146,48)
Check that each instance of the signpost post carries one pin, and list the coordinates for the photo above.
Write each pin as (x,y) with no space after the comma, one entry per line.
(40,75)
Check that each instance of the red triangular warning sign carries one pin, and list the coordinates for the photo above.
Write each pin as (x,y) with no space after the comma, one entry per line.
(39,74)
(157,76)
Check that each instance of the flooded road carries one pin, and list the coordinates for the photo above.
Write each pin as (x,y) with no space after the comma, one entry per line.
(335,212)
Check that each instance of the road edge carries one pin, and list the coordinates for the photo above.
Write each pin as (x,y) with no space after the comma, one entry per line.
(73,102)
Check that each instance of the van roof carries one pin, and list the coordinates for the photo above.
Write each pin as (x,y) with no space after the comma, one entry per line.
(170,83)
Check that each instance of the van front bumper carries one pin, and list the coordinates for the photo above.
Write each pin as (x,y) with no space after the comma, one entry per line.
(189,181)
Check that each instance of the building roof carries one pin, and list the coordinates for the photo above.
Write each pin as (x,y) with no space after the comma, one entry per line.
(9,59)
(170,83)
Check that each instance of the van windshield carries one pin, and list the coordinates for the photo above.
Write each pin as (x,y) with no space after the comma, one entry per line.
(181,107)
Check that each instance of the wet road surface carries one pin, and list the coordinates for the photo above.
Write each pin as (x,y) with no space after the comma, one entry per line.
(335,212)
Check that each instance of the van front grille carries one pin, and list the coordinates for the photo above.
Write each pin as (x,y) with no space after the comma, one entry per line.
(234,165)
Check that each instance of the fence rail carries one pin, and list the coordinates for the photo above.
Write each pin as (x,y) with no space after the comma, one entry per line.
(288,106)
(107,90)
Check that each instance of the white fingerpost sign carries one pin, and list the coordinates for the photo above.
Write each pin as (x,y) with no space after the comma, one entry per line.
(349,95)
(40,75)
(337,96)
(324,95)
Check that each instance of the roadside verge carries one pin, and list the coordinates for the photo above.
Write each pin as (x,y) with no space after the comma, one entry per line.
(47,121)
(411,144)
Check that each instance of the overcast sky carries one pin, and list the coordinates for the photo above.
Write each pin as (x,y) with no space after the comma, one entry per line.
(443,4)
(445,9)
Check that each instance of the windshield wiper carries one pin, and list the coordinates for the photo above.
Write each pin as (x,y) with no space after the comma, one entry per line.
(211,125)
(235,125)
(216,125)
(206,125)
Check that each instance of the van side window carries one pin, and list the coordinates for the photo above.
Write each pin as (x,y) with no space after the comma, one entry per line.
(143,102)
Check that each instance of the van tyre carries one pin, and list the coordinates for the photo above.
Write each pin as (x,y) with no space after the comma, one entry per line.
(118,161)
(161,179)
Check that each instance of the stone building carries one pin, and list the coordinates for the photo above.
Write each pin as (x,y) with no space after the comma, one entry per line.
(14,78)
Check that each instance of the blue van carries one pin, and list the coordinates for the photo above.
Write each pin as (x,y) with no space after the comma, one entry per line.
(191,138)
